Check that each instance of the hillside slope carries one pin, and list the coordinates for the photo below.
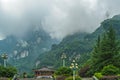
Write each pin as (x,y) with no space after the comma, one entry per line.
(77,46)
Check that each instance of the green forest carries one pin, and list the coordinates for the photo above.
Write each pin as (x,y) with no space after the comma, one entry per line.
(79,46)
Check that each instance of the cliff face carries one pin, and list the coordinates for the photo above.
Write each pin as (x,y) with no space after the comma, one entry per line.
(23,52)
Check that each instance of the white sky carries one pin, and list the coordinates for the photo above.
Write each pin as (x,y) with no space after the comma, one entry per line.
(58,17)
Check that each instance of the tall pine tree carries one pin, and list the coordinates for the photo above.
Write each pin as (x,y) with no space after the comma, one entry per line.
(95,55)
(106,51)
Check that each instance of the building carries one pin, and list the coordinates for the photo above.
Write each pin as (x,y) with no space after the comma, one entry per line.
(43,73)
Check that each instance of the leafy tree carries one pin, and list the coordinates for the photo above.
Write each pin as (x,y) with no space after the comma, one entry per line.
(7,71)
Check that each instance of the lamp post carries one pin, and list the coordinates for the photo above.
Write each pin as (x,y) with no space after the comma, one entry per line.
(74,66)
(63,57)
(5,57)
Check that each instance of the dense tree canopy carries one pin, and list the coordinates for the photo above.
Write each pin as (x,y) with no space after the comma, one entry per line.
(106,51)
(66,71)
(7,71)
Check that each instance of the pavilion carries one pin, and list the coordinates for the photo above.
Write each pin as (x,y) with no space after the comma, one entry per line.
(43,73)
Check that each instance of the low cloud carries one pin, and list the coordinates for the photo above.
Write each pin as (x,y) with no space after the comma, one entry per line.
(57,17)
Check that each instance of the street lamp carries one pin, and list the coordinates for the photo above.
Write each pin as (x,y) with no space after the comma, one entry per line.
(63,57)
(74,66)
(5,57)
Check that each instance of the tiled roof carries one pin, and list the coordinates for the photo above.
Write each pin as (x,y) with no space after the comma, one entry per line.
(44,69)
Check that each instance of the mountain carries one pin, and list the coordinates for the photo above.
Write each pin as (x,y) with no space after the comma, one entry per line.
(1,61)
(37,48)
(22,52)
(77,46)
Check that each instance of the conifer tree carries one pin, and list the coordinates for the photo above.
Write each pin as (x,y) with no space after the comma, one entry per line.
(106,51)
(95,56)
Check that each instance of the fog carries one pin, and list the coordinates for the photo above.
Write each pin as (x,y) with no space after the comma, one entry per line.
(59,18)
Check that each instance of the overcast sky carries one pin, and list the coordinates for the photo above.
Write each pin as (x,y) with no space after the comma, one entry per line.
(58,17)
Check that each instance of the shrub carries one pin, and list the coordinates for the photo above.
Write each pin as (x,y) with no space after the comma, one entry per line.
(98,75)
(118,75)
(71,78)
(64,71)
(7,71)
(83,71)
(110,70)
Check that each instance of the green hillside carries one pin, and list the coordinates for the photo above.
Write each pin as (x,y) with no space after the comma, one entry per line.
(77,46)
